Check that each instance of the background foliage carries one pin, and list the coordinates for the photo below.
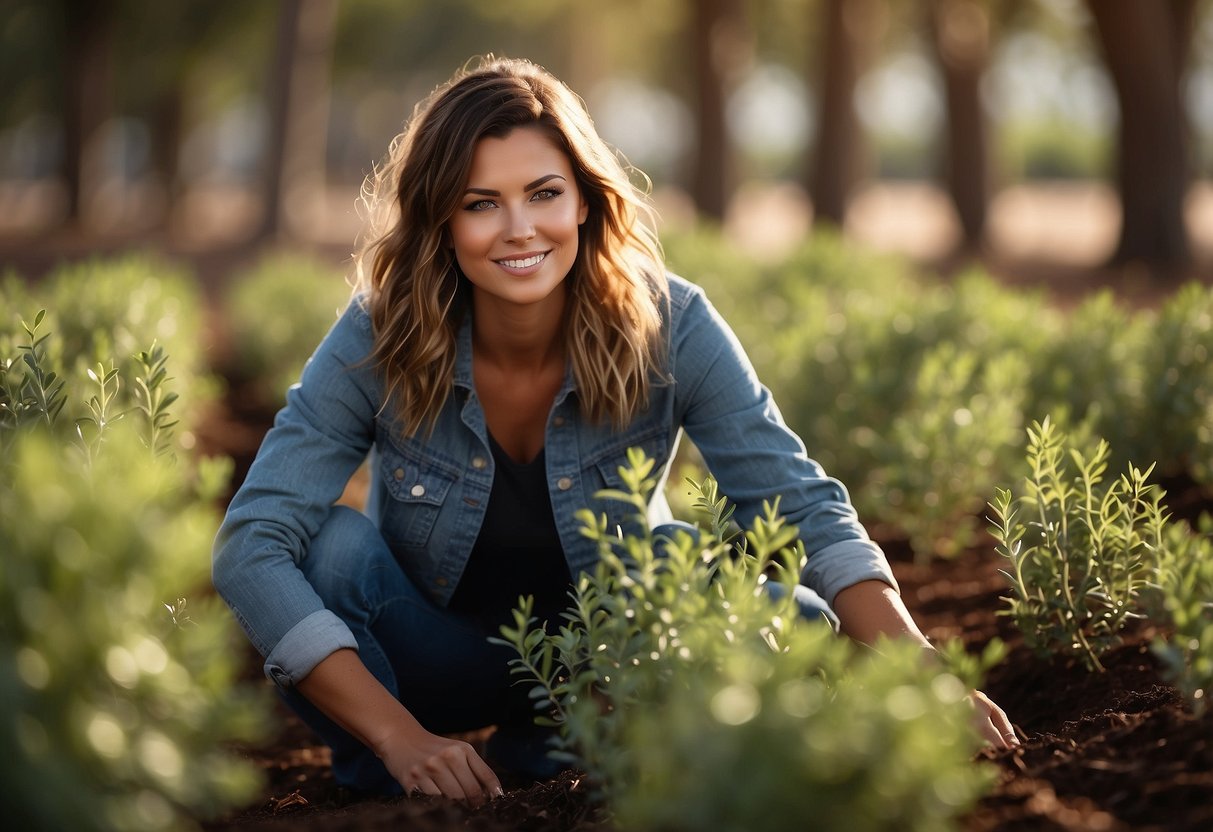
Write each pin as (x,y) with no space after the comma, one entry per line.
(118,670)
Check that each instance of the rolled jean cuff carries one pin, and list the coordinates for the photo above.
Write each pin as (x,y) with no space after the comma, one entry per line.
(305,645)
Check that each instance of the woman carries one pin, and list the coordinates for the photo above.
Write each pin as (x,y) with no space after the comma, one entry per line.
(512,333)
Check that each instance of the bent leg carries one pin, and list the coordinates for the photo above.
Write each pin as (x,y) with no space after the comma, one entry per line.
(440,666)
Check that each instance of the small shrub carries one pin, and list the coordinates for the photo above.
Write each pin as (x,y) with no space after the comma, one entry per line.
(946,447)
(697,700)
(1178,379)
(276,314)
(107,311)
(1082,550)
(1184,604)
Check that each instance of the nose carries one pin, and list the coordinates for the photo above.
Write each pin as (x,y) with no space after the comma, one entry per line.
(519,227)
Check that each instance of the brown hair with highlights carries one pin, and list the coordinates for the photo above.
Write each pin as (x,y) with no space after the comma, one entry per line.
(417,297)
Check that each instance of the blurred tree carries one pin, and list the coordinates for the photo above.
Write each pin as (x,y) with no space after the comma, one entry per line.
(162,46)
(960,33)
(722,48)
(299,109)
(88,32)
(1146,47)
(849,34)
(31,33)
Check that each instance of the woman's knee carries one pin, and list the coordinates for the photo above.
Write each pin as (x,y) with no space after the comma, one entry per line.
(345,551)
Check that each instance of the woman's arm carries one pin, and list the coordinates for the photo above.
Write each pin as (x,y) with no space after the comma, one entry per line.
(871,609)
(346,692)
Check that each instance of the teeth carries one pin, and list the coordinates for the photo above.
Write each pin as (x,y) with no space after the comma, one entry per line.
(522,264)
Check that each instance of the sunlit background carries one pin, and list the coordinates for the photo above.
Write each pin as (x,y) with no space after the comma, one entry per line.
(929,127)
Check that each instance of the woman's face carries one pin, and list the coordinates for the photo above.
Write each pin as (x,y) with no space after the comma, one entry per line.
(515,229)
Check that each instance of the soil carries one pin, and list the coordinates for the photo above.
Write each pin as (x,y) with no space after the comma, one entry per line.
(1118,750)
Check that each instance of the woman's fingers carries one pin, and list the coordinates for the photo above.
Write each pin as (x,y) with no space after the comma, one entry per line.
(456,771)
(993,722)
(481,771)
(476,781)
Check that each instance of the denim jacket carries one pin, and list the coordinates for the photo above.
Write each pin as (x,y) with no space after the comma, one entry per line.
(428,494)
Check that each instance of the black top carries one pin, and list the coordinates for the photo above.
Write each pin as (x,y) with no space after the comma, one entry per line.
(518,551)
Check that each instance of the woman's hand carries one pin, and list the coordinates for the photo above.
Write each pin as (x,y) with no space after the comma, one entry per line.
(992,722)
(436,765)
(343,689)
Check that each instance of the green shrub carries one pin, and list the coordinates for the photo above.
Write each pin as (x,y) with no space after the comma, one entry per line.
(697,701)
(119,696)
(1086,550)
(1052,149)
(276,315)
(1096,554)
(946,447)
(1184,604)
(1092,374)
(1178,381)
(106,312)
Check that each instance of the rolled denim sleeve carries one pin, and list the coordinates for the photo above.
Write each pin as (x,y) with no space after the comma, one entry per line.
(318,439)
(754,456)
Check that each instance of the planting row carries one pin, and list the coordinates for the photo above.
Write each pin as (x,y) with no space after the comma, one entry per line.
(917,394)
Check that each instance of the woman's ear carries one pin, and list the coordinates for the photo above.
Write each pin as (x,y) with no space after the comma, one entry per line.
(584,212)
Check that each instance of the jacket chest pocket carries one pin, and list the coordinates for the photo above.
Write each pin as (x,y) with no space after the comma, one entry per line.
(417,492)
(610,457)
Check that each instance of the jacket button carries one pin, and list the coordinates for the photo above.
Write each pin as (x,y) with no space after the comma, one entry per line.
(440,581)
(479,463)
(564,483)
(398,474)
(417,490)
(558,422)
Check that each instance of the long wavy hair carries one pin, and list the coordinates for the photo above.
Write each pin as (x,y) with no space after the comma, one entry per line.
(417,295)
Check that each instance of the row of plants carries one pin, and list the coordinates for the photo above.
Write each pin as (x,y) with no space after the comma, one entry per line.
(689,688)
(1088,553)
(118,670)
(913,392)
(916,393)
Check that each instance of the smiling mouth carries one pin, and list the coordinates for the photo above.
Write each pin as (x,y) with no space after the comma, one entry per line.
(524,262)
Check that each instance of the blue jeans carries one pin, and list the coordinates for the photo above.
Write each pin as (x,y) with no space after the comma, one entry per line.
(438,664)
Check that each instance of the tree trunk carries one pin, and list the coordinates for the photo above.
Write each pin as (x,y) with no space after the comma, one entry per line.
(299,107)
(89,79)
(960,32)
(848,33)
(1146,46)
(721,51)
(167,121)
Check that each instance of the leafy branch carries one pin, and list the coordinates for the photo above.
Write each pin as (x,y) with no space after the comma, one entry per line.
(153,400)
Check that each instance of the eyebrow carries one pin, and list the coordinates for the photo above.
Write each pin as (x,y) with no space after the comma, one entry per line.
(530,186)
